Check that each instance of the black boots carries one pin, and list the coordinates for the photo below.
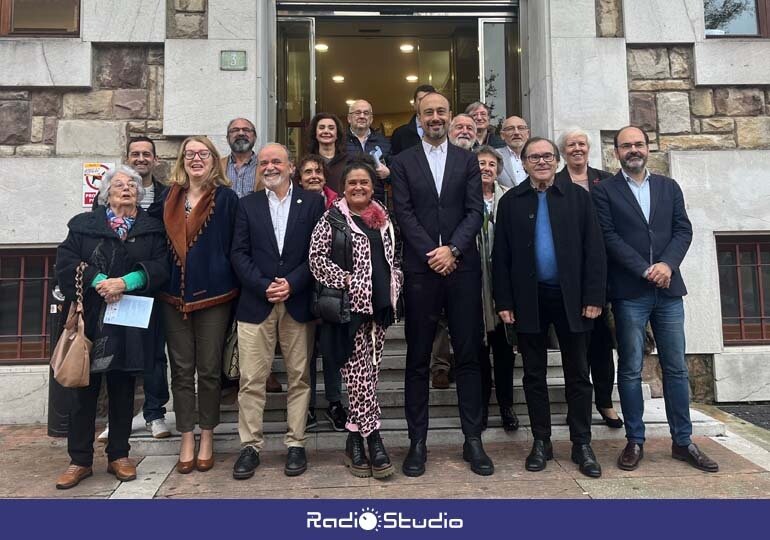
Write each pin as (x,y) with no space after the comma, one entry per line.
(355,456)
(381,465)
(414,463)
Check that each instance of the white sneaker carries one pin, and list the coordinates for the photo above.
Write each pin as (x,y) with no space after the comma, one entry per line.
(158,428)
(105,435)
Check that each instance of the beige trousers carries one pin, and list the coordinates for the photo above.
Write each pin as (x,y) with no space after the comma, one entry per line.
(256,350)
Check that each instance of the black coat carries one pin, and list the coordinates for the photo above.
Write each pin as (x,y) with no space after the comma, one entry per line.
(404,137)
(633,245)
(580,255)
(90,239)
(256,259)
(595,176)
(423,215)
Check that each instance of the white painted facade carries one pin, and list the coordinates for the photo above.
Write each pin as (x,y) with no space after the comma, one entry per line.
(571,78)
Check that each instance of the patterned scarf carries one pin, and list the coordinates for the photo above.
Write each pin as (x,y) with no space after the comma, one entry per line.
(121,225)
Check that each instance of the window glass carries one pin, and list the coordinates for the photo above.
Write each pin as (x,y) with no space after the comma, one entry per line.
(45,16)
(731,17)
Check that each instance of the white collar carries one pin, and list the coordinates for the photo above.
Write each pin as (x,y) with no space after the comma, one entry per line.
(272,195)
(441,147)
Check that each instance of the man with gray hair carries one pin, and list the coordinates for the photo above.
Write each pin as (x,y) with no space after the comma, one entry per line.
(362,139)
(462,131)
(515,132)
(241,164)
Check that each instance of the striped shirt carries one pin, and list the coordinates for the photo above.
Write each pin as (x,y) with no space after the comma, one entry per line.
(245,177)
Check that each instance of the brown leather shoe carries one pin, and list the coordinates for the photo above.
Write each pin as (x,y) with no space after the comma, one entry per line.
(441,380)
(72,476)
(692,455)
(204,465)
(185,467)
(273,386)
(123,469)
(631,456)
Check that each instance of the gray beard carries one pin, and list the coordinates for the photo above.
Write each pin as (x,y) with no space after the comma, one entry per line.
(241,145)
(463,143)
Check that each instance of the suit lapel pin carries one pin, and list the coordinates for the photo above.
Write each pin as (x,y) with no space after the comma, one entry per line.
(299,201)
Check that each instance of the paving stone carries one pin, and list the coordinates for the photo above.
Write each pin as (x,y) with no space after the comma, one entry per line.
(733,486)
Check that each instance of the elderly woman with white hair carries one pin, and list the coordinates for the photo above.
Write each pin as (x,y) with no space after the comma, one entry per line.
(113,250)
(575,145)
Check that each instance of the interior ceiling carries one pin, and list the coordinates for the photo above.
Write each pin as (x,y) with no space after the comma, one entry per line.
(367,54)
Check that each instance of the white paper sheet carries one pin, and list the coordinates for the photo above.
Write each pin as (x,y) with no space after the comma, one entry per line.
(130,311)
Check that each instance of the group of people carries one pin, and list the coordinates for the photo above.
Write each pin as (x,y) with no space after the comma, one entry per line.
(477,233)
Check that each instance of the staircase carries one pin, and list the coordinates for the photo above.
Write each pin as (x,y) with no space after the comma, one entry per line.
(444,418)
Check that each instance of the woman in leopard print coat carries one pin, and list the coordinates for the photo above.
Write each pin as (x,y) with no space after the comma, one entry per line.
(373,284)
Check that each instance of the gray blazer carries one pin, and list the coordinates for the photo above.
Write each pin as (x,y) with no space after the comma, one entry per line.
(507,177)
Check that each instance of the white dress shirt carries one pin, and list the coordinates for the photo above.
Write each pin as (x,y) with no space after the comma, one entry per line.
(436,156)
(279,214)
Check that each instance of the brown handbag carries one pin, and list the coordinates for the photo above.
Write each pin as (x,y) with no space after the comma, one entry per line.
(71,358)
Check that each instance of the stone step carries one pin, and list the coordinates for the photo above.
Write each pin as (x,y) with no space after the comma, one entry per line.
(443,431)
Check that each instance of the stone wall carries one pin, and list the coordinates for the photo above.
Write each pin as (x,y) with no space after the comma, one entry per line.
(677,115)
(700,367)
(187,19)
(609,18)
(126,99)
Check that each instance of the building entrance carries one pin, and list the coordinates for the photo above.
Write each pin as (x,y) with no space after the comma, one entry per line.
(325,60)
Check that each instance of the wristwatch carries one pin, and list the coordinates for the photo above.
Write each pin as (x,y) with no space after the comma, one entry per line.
(455,252)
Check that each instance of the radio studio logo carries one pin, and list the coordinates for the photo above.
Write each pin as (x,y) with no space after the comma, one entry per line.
(371,519)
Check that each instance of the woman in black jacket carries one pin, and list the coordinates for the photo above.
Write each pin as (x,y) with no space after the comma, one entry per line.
(124,251)
(326,138)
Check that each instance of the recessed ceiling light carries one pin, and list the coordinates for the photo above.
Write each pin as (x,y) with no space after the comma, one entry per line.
(411,102)
(349,102)
(406,48)
(321,47)
(338,79)
(411,78)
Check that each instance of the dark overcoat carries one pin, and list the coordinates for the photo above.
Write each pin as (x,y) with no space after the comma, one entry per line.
(580,254)
(91,240)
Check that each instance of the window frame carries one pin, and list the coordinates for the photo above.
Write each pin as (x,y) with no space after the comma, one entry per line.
(46,281)
(763,25)
(6,16)
(734,241)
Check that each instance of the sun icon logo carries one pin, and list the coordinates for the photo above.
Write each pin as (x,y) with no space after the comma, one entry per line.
(369,520)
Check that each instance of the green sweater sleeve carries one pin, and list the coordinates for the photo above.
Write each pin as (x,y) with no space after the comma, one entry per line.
(135,280)
(98,278)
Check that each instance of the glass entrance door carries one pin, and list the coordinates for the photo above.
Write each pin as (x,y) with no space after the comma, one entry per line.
(295,86)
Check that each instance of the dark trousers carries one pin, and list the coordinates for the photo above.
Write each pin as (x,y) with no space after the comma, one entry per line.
(601,362)
(533,348)
(155,389)
(332,377)
(502,352)
(426,296)
(82,428)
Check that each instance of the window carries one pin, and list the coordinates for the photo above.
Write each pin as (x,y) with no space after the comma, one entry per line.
(39,17)
(744,284)
(737,18)
(26,278)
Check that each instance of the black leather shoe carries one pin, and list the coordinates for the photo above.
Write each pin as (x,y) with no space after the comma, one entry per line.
(631,456)
(381,465)
(246,463)
(296,462)
(509,418)
(542,451)
(414,462)
(473,453)
(355,456)
(615,423)
(692,455)
(583,455)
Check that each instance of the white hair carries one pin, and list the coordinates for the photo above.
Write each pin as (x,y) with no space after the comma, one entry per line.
(104,188)
(561,142)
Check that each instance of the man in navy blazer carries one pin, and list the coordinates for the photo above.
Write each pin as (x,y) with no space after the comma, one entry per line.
(647,234)
(269,253)
(438,204)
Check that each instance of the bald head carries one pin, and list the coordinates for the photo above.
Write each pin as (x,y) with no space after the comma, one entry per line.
(515,132)
(360,116)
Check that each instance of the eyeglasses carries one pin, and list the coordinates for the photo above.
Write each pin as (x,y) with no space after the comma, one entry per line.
(361,113)
(190,154)
(535,158)
(234,130)
(628,146)
(508,129)
(129,185)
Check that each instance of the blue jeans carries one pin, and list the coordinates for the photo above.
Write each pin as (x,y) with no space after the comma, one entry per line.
(155,390)
(332,379)
(666,315)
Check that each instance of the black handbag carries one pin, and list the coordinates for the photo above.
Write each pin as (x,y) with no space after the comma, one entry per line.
(329,304)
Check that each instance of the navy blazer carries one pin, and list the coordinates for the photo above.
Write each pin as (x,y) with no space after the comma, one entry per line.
(632,244)
(456,214)
(256,259)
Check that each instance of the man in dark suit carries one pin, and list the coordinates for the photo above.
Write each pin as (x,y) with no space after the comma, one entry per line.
(437,200)
(270,247)
(647,234)
(549,268)
(410,134)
